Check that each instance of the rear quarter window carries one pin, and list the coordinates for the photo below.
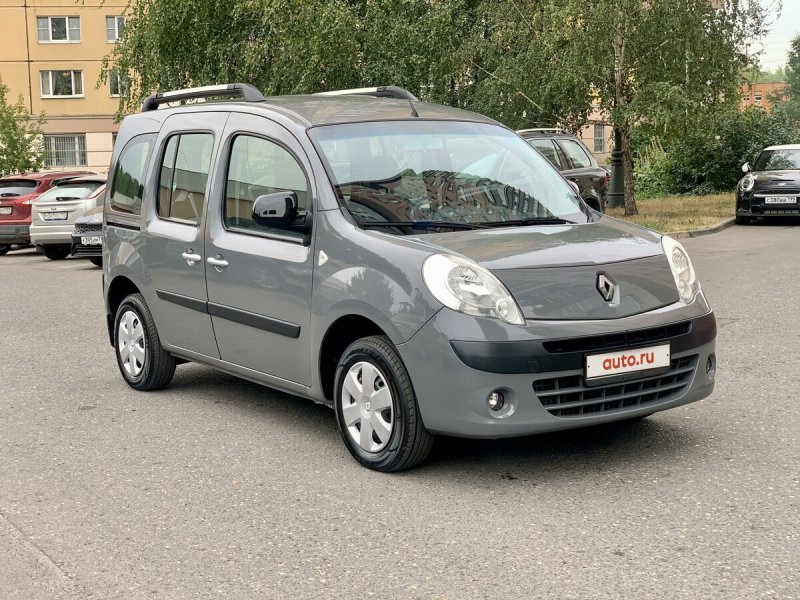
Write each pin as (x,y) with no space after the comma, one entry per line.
(127,187)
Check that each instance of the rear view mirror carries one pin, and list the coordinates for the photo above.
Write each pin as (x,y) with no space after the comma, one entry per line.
(278,209)
(746,167)
(575,187)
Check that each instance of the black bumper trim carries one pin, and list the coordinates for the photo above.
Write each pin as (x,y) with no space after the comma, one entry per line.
(531,357)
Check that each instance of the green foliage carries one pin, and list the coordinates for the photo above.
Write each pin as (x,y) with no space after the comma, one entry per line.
(20,136)
(707,156)
(793,70)
(657,66)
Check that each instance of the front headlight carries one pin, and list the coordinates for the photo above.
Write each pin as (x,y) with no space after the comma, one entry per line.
(467,287)
(748,183)
(682,269)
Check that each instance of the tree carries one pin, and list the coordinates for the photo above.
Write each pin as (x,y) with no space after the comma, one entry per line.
(792,70)
(20,136)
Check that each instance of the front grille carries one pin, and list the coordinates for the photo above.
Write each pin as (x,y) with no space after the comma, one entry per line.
(617,340)
(81,250)
(90,228)
(568,396)
(792,212)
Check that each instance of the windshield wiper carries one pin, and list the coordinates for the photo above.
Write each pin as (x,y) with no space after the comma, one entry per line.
(421,224)
(531,221)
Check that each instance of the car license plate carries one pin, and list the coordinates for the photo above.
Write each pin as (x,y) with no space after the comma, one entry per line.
(94,240)
(627,361)
(780,200)
(5,210)
(55,216)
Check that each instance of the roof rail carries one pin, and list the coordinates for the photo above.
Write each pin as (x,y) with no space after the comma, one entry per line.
(541,130)
(382,91)
(248,93)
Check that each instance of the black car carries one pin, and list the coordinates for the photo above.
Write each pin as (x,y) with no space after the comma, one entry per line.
(771,187)
(569,155)
(87,236)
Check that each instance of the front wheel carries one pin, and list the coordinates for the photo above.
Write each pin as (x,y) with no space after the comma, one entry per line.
(97,261)
(376,408)
(56,252)
(141,358)
(4,248)
(743,220)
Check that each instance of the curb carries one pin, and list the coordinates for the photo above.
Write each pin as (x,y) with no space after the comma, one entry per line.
(705,231)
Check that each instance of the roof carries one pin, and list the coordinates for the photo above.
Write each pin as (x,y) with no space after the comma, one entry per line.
(317,109)
(84,179)
(49,175)
(784,147)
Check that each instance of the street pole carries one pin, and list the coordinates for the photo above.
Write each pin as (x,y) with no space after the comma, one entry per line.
(616,191)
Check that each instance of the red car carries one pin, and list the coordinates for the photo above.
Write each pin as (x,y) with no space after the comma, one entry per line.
(17,193)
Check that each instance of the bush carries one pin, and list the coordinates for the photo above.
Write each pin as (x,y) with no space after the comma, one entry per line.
(708,155)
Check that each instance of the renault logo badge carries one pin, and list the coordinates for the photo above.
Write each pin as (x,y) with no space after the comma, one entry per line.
(606,286)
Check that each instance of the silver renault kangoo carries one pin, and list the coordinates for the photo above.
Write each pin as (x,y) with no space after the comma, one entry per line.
(420,269)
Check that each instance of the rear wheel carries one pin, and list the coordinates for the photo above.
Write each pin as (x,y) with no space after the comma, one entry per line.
(141,358)
(4,248)
(97,261)
(376,407)
(56,252)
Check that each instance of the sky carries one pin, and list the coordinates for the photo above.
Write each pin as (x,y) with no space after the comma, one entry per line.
(776,44)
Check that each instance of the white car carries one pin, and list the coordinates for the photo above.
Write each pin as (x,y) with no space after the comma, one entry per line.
(54,213)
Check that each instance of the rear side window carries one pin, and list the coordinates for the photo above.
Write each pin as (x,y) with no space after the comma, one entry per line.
(547,149)
(576,153)
(21,187)
(184,176)
(128,186)
(258,166)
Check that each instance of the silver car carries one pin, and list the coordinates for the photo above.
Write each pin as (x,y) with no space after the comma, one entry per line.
(54,213)
(420,269)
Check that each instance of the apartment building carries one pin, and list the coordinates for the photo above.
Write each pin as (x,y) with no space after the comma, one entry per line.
(51,54)
(762,94)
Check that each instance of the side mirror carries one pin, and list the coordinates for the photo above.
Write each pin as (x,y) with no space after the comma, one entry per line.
(576,188)
(278,209)
(746,167)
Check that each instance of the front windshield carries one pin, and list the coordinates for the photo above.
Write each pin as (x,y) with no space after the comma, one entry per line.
(778,160)
(69,191)
(442,172)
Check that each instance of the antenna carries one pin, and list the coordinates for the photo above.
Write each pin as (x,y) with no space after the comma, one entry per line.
(414,112)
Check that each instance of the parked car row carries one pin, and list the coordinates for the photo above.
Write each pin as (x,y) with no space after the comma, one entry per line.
(43,209)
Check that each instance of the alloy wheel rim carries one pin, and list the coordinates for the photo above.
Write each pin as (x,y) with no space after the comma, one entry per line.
(131,343)
(367,407)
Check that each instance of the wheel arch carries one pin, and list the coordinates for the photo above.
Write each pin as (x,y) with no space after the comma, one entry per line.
(119,288)
(340,334)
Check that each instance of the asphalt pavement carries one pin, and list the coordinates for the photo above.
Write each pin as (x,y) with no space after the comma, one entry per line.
(219,488)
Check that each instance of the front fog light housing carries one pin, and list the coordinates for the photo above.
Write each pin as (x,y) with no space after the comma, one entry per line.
(682,268)
(466,287)
(496,400)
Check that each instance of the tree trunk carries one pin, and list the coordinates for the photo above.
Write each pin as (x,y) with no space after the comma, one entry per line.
(627,166)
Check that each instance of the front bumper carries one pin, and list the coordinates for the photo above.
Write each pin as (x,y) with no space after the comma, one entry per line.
(44,235)
(15,234)
(753,204)
(543,382)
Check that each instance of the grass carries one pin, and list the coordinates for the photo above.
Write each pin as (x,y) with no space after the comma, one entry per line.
(680,213)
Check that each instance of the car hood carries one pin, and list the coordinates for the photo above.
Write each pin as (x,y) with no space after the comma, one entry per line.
(553,270)
(776,180)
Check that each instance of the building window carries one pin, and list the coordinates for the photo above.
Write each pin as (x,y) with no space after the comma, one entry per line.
(757,99)
(58,29)
(65,150)
(61,83)
(746,99)
(115,27)
(116,85)
(600,138)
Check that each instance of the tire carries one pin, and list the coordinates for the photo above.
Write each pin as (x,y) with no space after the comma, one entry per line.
(97,261)
(56,252)
(4,248)
(155,368)
(407,442)
(743,220)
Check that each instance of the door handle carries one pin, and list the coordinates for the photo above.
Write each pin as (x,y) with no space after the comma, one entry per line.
(190,257)
(217,262)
